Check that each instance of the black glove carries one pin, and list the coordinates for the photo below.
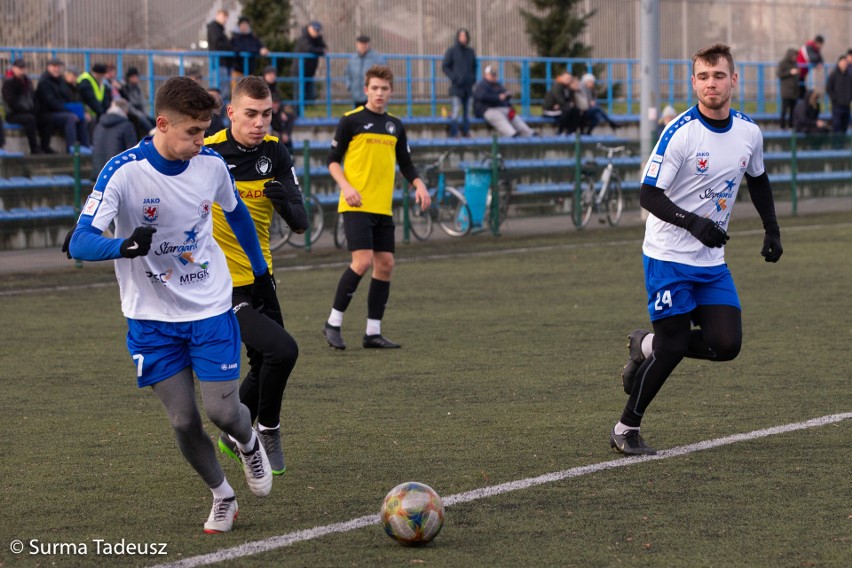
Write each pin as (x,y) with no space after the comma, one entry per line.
(263,291)
(139,243)
(772,249)
(279,194)
(706,231)
(66,244)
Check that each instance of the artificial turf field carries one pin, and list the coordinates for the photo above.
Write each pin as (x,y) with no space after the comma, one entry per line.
(509,370)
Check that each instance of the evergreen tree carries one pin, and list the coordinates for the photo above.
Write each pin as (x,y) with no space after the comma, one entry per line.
(556,33)
(270,21)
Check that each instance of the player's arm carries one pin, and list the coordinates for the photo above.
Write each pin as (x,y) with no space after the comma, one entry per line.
(339,145)
(760,191)
(284,192)
(243,227)
(409,170)
(658,204)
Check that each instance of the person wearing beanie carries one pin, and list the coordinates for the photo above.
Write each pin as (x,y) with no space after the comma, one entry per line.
(113,134)
(137,112)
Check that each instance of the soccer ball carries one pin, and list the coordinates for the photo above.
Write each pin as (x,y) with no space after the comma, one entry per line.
(412,513)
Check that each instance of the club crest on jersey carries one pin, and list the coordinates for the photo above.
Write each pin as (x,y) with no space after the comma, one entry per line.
(390,127)
(263,165)
(702,162)
(204,209)
(743,163)
(150,213)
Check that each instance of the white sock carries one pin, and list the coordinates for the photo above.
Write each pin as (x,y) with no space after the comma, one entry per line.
(620,429)
(245,448)
(648,344)
(224,491)
(335,318)
(263,428)
(374,327)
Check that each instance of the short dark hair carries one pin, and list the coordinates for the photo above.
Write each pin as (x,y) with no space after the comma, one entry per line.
(819,39)
(184,96)
(379,72)
(363,39)
(253,87)
(712,54)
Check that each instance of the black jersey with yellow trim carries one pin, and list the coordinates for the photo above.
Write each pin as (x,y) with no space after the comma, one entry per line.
(251,168)
(369,146)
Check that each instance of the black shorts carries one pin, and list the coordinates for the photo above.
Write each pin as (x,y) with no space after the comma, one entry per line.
(369,231)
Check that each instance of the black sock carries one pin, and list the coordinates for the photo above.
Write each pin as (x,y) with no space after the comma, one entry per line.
(346,289)
(377,298)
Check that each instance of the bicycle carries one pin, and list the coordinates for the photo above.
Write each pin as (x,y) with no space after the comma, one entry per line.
(603,196)
(280,233)
(449,206)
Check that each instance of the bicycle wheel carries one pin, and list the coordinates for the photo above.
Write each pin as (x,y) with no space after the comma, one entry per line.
(587,200)
(316,223)
(339,233)
(279,232)
(453,213)
(614,203)
(419,221)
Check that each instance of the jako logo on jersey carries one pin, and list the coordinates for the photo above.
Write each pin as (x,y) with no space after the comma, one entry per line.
(204,209)
(390,127)
(263,165)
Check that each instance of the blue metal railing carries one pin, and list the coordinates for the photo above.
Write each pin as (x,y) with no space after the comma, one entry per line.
(419,80)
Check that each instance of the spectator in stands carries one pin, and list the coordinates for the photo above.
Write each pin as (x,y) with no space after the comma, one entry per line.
(460,67)
(363,58)
(788,79)
(593,114)
(283,116)
(809,55)
(669,114)
(839,91)
(138,110)
(243,39)
(218,40)
(52,95)
(493,102)
(112,82)
(19,99)
(195,74)
(217,122)
(94,90)
(806,114)
(114,134)
(311,41)
(559,104)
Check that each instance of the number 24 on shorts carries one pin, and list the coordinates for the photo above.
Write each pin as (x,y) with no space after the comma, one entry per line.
(664,297)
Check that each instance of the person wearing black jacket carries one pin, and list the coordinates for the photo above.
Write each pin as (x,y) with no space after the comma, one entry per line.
(19,98)
(113,134)
(311,41)
(839,91)
(459,66)
(218,40)
(52,95)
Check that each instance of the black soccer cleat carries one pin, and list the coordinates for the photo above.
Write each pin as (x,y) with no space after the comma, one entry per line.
(634,349)
(379,342)
(630,443)
(333,336)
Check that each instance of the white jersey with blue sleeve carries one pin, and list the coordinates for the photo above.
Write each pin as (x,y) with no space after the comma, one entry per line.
(185,276)
(700,168)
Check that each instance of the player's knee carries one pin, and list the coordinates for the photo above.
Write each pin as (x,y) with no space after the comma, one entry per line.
(285,351)
(186,424)
(226,417)
(727,349)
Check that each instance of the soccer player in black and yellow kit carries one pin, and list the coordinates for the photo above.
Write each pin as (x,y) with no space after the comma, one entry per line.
(267,183)
(370,142)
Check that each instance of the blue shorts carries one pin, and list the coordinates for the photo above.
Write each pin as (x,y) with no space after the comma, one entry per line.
(675,288)
(162,349)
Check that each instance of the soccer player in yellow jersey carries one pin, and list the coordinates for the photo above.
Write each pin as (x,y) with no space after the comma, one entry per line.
(267,184)
(368,144)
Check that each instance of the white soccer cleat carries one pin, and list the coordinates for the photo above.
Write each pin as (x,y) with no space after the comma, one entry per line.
(222,516)
(257,468)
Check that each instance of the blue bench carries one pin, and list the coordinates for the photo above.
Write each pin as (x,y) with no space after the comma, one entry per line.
(37,213)
(564,188)
(23,182)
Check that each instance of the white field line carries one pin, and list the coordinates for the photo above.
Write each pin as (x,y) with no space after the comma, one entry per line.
(288,539)
(427,258)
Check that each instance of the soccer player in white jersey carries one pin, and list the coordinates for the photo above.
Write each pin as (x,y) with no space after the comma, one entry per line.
(175,285)
(689,187)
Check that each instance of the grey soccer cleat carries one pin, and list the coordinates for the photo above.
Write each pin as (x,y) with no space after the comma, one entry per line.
(257,469)
(271,440)
(630,443)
